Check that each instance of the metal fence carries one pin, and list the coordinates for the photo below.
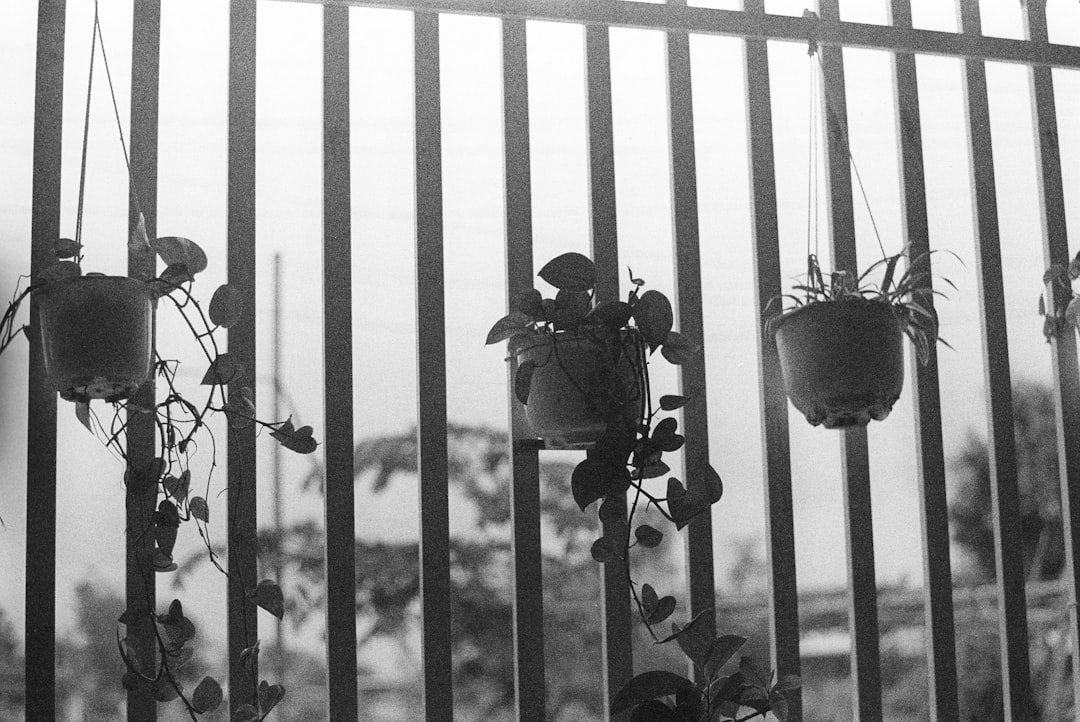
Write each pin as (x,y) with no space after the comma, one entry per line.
(678,20)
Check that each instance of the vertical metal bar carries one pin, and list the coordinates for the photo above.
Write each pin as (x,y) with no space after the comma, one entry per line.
(617,648)
(855,457)
(933,505)
(431,348)
(1063,347)
(695,417)
(40,633)
(529,681)
(1016,682)
(242,622)
(338,369)
(141,429)
(776,444)
(275,458)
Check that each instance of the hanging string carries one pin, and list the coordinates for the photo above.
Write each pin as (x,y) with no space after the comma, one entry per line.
(116,113)
(851,158)
(95,37)
(811,163)
(86,131)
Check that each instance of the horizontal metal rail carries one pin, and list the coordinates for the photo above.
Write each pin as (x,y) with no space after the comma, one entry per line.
(736,23)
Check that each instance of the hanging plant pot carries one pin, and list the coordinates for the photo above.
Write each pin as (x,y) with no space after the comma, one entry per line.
(842,361)
(573,383)
(97,334)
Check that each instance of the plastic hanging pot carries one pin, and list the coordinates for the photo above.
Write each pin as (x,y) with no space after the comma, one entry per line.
(842,361)
(97,334)
(581,381)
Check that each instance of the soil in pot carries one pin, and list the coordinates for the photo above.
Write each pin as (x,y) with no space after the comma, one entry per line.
(581,381)
(97,334)
(842,361)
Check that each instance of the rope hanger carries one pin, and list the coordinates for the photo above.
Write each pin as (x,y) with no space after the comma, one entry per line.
(816,82)
(95,38)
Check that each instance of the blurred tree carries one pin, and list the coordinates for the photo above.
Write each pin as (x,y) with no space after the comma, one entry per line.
(1040,491)
(12,678)
(388,582)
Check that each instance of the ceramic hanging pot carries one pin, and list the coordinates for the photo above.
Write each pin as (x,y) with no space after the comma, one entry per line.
(579,383)
(97,335)
(842,361)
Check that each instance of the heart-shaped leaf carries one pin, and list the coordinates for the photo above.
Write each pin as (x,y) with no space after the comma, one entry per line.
(665,606)
(648,686)
(269,696)
(298,440)
(678,349)
(588,483)
(59,271)
(66,248)
(648,536)
(239,408)
(672,402)
(607,549)
(510,325)
(177,487)
(649,599)
(570,272)
(613,314)
(207,695)
(654,317)
(222,371)
(164,691)
(199,509)
(268,596)
(528,302)
(523,380)
(226,306)
(82,413)
(174,250)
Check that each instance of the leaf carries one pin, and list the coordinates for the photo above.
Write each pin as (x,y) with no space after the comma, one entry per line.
(199,509)
(82,413)
(269,696)
(173,250)
(245,713)
(177,487)
(268,596)
(249,658)
(172,277)
(723,649)
(138,242)
(665,606)
(528,302)
(678,349)
(694,639)
(753,672)
(648,536)
(649,599)
(207,695)
(298,440)
(510,325)
(66,248)
(788,683)
(523,380)
(613,314)
(588,483)
(59,271)
(648,686)
(605,550)
(226,306)
(570,272)
(779,707)
(671,402)
(222,371)
(654,317)
(164,690)
(239,408)
(612,509)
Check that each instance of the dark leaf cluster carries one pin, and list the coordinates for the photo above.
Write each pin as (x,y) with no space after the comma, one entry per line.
(1063,308)
(723,693)
(910,296)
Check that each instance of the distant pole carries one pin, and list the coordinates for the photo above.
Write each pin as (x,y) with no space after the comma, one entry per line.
(275,414)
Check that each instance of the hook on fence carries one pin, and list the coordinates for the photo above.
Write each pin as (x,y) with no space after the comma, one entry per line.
(812,21)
